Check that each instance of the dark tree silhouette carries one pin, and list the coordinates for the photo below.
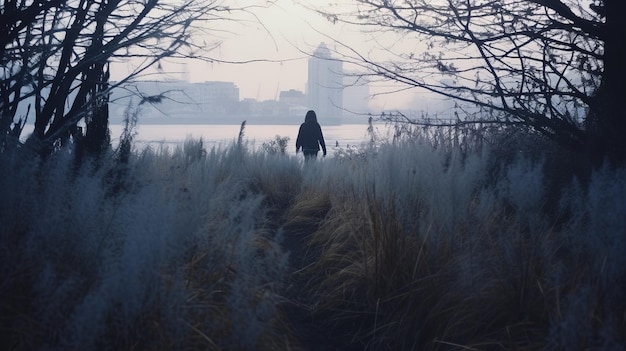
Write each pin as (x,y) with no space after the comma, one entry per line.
(554,65)
(55,57)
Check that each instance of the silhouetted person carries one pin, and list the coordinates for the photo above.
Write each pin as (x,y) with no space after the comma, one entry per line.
(310,136)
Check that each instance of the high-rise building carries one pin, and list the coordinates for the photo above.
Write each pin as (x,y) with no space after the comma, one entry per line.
(325,85)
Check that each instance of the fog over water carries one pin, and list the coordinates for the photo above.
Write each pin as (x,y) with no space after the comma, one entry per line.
(221,135)
(343,136)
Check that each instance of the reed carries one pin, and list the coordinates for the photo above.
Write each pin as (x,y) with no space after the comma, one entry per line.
(424,247)
(181,255)
(437,241)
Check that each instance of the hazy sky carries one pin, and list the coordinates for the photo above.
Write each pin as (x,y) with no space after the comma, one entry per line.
(285,30)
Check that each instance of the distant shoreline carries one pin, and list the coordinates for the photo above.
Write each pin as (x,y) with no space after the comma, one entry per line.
(236,120)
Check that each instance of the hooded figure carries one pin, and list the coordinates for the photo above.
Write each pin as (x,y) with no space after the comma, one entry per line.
(310,136)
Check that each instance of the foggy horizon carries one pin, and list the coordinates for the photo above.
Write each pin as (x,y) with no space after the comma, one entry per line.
(276,44)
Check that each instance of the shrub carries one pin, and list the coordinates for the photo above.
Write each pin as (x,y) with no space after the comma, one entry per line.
(278,145)
(182,255)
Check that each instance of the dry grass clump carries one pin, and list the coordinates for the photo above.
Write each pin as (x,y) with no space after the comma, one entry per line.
(308,211)
(427,243)
(276,178)
(171,249)
(376,285)
(369,271)
(424,250)
(231,306)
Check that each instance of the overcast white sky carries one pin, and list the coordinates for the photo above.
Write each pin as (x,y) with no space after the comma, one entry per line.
(286,28)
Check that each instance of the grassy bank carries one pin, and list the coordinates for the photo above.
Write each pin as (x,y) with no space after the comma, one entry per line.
(420,244)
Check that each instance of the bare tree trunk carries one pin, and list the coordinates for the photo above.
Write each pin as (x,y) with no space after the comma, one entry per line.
(606,123)
(97,134)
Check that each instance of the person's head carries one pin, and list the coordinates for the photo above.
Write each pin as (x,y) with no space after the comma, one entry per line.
(310,117)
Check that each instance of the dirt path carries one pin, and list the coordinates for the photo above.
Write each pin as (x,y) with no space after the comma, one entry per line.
(312,332)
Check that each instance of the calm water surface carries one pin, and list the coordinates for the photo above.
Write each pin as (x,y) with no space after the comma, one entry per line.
(345,135)
(221,135)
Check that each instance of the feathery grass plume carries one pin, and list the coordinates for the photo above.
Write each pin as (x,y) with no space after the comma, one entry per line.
(193,150)
(373,260)
(416,245)
(592,307)
(308,210)
(247,265)
(278,145)
(241,134)
(416,252)
(101,271)
(302,219)
(131,116)
(124,150)
(276,178)
(353,153)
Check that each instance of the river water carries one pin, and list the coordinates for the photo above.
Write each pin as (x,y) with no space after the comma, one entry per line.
(221,135)
(343,136)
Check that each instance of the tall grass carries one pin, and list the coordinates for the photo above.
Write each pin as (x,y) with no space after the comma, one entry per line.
(433,242)
(182,256)
(426,247)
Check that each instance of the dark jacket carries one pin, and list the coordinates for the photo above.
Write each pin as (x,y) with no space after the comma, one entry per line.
(310,136)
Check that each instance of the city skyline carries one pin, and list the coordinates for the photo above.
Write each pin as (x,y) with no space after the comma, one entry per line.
(180,99)
(269,52)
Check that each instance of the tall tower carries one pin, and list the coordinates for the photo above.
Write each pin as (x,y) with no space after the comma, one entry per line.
(325,85)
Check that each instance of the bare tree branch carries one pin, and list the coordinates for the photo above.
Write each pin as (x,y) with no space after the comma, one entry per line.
(54,53)
(542,63)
